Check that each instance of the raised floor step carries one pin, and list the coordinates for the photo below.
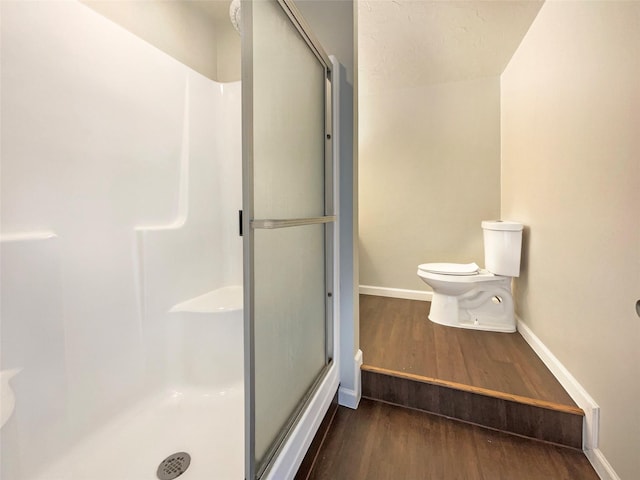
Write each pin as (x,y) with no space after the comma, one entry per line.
(514,414)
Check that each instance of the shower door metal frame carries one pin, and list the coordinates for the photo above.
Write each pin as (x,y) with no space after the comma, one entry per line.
(249,224)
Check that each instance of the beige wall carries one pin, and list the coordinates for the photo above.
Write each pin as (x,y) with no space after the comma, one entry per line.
(196,33)
(229,53)
(571,173)
(429,174)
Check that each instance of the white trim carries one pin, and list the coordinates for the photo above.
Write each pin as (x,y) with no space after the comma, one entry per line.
(396,293)
(351,397)
(27,236)
(603,468)
(591,425)
(290,457)
(591,409)
(347,226)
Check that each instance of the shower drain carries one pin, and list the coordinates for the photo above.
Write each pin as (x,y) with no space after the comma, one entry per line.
(173,466)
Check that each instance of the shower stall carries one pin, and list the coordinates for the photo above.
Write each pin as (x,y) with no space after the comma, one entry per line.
(167,250)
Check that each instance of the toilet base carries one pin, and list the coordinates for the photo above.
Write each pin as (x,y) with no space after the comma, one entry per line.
(489,310)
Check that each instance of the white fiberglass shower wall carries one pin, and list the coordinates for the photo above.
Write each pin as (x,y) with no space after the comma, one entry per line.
(121,260)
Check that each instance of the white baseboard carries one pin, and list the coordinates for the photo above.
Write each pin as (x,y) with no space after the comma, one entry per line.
(591,409)
(604,470)
(396,293)
(570,384)
(348,397)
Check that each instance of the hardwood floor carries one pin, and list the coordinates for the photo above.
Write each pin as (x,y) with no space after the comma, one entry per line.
(413,366)
(384,442)
(395,334)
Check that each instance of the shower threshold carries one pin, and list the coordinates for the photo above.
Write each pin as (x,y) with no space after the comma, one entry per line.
(207,424)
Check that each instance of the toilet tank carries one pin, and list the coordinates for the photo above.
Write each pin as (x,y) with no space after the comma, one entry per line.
(502,247)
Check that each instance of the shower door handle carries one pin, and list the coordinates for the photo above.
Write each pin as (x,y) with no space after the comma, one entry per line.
(291,222)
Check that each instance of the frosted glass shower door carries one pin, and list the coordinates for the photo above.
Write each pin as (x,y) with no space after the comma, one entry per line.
(288,222)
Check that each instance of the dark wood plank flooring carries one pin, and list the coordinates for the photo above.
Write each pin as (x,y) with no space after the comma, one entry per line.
(384,442)
(396,334)
(405,353)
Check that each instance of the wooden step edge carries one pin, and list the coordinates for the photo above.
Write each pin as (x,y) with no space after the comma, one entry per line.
(477,390)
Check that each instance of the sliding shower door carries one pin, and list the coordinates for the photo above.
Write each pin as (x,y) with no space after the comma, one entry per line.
(288,223)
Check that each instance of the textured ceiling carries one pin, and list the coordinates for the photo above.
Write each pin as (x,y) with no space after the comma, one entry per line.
(407,43)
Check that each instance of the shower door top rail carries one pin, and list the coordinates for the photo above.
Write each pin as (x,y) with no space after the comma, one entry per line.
(288,6)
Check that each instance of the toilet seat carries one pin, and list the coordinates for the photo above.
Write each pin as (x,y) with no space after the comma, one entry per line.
(450,268)
(478,277)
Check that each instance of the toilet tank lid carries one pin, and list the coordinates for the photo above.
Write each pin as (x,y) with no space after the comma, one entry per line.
(450,268)
(504,225)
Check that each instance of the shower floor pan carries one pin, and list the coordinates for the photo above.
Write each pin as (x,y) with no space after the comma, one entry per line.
(209,426)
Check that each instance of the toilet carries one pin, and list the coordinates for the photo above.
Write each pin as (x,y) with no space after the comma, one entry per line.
(467,296)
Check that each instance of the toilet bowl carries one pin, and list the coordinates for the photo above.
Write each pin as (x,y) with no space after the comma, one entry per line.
(481,300)
(466,296)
